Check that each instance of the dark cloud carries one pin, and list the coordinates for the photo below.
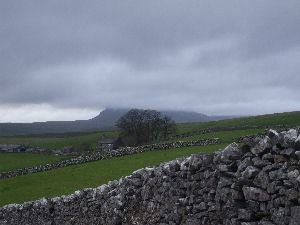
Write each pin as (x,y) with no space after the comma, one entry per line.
(214,57)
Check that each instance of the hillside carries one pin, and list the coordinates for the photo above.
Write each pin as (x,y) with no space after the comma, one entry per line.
(104,121)
(68,179)
(286,118)
(109,117)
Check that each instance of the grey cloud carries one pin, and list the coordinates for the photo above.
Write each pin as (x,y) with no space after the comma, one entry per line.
(167,54)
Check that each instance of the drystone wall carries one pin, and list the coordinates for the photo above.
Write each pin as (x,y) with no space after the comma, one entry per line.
(256,184)
(17,148)
(20,148)
(114,153)
(218,129)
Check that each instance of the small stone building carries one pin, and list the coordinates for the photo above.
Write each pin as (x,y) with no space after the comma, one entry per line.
(106,144)
(12,148)
(67,150)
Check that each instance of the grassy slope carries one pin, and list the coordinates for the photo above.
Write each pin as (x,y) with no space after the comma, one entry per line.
(225,136)
(14,161)
(81,142)
(289,118)
(66,180)
(78,143)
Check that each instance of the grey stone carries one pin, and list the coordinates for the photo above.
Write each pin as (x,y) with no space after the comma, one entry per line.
(273,135)
(292,175)
(297,143)
(262,147)
(245,214)
(265,223)
(244,164)
(288,138)
(261,180)
(268,156)
(297,153)
(256,194)
(250,172)
(258,162)
(295,215)
(278,216)
(287,152)
(230,153)
(292,194)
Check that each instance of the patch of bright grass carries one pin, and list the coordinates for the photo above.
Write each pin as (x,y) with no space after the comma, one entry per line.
(69,179)
(225,136)
(14,161)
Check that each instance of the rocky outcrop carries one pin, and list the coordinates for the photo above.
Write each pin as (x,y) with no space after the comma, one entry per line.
(114,153)
(256,184)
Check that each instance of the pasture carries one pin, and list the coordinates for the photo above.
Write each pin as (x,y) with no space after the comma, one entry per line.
(14,161)
(69,179)
(80,143)
(225,136)
(288,118)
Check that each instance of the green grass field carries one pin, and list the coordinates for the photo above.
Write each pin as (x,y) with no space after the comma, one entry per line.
(69,179)
(66,180)
(289,119)
(225,136)
(89,141)
(80,143)
(14,161)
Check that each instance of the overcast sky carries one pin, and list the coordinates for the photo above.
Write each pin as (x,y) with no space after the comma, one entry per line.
(66,60)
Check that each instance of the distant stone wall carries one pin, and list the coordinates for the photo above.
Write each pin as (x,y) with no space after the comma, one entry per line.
(219,129)
(257,184)
(16,148)
(20,148)
(101,156)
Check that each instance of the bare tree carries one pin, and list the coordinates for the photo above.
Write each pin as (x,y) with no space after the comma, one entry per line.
(141,126)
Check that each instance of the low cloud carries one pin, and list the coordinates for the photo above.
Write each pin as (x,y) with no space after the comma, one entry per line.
(65,61)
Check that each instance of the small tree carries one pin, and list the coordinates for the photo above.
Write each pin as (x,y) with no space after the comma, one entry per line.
(141,126)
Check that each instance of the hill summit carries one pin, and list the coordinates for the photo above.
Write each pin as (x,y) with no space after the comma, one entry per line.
(109,116)
(105,121)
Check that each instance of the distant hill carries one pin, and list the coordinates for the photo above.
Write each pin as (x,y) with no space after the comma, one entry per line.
(109,117)
(104,121)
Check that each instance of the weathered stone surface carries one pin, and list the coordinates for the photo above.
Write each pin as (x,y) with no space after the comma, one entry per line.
(288,138)
(230,153)
(250,172)
(297,143)
(295,215)
(292,175)
(245,214)
(258,162)
(297,153)
(263,146)
(256,194)
(268,157)
(262,180)
(273,135)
